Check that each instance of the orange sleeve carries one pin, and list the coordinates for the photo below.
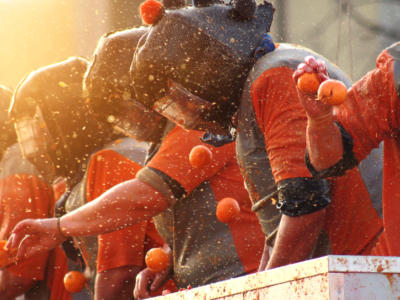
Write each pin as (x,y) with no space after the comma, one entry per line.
(24,196)
(283,122)
(124,247)
(371,110)
(173,158)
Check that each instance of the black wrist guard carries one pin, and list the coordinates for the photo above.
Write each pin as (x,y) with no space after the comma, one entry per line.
(347,162)
(300,196)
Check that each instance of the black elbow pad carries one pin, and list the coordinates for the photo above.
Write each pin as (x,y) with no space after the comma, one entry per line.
(300,196)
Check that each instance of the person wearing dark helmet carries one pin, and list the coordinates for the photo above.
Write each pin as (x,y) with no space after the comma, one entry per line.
(201,79)
(24,193)
(168,170)
(121,253)
(55,134)
(86,152)
(368,116)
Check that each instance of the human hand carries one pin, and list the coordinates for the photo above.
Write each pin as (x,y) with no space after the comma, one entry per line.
(34,236)
(315,109)
(148,281)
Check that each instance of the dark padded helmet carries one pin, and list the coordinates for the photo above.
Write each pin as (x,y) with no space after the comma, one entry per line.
(207,50)
(108,87)
(7,132)
(57,91)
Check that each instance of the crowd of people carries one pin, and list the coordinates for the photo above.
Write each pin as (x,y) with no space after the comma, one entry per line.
(95,166)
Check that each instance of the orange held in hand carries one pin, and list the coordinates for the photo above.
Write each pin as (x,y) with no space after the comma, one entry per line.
(200,156)
(157,259)
(308,83)
(227,210)
(332,92)
(74,281)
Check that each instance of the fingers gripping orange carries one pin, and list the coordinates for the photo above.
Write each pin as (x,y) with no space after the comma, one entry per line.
(74,281)
(308,83)
(332,92)
(157,259)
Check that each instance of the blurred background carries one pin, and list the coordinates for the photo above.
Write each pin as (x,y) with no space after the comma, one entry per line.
(34,33)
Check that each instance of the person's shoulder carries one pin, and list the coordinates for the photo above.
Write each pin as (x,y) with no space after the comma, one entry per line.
(285,59)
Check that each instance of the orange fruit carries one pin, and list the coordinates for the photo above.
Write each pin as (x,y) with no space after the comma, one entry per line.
(5,255)
(200,156)
(308,83)
(74,281)
(157,259)
(227,210)
(151,11)
(332,92)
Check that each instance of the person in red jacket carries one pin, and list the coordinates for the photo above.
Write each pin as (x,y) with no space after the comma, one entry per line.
(121,253)
(190,219)
(207,92)
(75,146)
(338,138)
(24,194)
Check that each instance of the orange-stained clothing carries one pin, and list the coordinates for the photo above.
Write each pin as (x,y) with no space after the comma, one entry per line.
(351,221)
(204,249)
(125,247)
(371,114)
(23,194)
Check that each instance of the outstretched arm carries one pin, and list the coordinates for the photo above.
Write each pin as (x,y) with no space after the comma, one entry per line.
(125,204)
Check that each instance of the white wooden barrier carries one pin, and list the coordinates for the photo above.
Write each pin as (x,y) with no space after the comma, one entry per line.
(330,277)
